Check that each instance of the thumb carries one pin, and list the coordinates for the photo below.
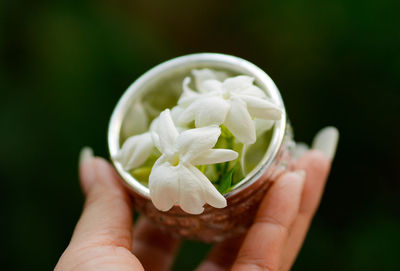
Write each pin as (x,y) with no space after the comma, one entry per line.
(107,214)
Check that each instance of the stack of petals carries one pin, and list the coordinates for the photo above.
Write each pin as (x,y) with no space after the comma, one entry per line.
(175,179)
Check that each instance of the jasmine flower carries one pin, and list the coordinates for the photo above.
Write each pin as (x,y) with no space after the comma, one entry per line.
(174,179)
(235,102)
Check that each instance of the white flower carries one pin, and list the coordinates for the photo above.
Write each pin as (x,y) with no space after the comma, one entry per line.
(174,179)
(233,102)
(136,149)
(200,76)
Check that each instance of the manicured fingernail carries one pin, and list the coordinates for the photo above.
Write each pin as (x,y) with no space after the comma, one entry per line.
(87,170)
(300,149)
(86,154)
(326,141)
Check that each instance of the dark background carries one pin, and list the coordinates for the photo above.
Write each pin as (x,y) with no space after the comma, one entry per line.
(64,65)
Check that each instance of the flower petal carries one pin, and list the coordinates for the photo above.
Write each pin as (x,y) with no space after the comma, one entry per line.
(135,121)
(245,148)
(176,113)
(237,84)
(210,111)
(215,156)
(254,91)
(188,114)
(135,151)
(188,96)
(263,125)
(164,184)
(211,86)
(239,122)
(210,193)
(262,108)
(196,190)
(203,75)
(184,185)
(167,132)
(193,142)
(191,196)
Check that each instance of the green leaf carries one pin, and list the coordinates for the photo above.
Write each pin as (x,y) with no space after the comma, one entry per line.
(225,183)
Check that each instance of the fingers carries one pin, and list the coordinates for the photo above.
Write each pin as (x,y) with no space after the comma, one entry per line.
(222,255)
(263,246)
(316,163)
(154,248)
(107,215)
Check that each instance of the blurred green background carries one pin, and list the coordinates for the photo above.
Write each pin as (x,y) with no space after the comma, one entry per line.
(64,65)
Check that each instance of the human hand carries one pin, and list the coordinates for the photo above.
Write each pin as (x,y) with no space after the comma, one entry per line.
(104,240)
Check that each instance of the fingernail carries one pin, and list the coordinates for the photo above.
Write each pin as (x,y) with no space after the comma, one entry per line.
(87,170)
(86,154)
(326,141)
(300,149)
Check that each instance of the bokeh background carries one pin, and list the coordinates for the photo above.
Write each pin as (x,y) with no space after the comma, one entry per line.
(64,65)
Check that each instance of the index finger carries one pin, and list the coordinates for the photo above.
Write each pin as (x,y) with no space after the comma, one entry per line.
(263,246)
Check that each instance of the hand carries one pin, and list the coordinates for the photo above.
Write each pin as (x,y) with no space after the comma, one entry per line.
(103,238)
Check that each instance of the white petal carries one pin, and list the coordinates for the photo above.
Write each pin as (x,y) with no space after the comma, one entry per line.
(263,126)
(135,121)
(210,193)
(212,110)
(254,91)
(215,156)
(205,111)
(237,84)
(262,108)
(239,122)
(135,151)
(188,114)
(156,140)
(203,75)
(191,196)
(193,142)
(166,132)
(211,85)
(188,96)
(176,112)
(196,190)
(164,184)
(245,148)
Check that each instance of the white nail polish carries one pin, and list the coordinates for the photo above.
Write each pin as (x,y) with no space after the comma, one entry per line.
(326,141)
(300,149)
(85,154)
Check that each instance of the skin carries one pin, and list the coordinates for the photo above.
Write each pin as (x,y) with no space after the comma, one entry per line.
(104,240)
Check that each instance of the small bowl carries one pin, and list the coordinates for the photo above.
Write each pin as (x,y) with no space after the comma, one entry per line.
(213,225)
